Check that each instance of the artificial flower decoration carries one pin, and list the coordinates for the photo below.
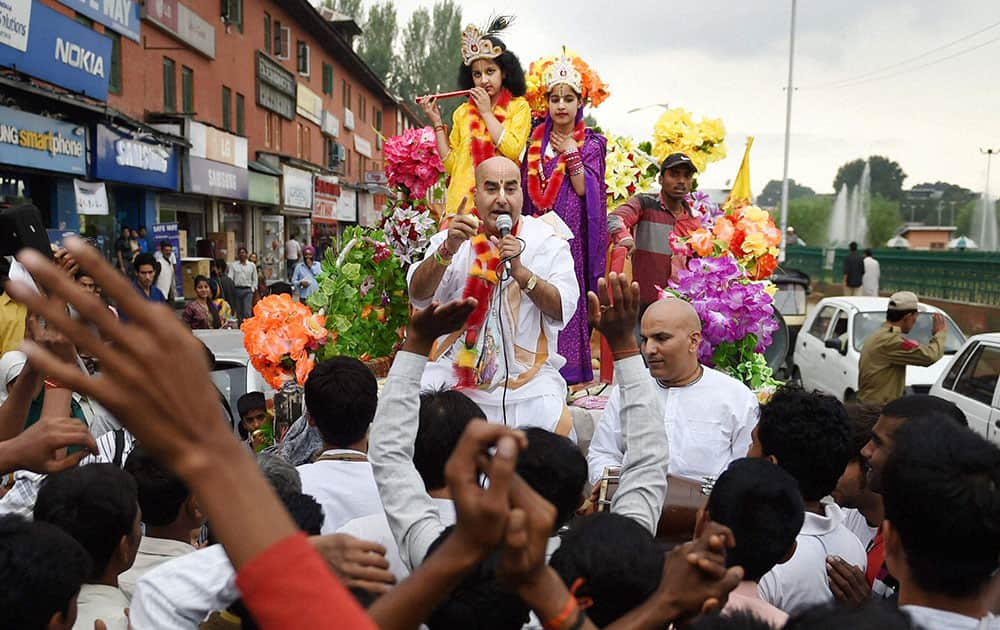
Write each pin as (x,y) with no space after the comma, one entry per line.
(407,227)
(412,161)
(282,339)
(677,132)
(595,91)
(628,171)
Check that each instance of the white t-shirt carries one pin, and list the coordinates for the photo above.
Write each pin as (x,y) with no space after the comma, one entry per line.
(345,489)
(926,618)
(869,281)
(152,553)
(98,601)
(708,425)
(802,582)
(855,521)
(293,251)
(179,594)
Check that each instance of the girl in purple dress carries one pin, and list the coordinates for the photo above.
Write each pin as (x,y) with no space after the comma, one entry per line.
(563,172)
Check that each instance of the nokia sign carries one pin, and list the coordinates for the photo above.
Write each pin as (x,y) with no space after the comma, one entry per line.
(76,56)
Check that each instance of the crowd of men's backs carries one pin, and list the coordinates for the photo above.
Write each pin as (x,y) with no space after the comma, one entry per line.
(818,515)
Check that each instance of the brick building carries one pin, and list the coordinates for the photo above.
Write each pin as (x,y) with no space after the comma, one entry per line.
(242,121)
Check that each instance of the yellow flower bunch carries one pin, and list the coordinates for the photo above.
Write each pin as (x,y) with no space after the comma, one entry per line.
(628,171)
(595,91)
(677,132)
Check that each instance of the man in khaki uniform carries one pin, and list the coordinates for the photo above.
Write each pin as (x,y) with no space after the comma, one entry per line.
(886,353)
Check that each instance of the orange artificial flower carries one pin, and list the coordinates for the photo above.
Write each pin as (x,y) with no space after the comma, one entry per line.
(701,242)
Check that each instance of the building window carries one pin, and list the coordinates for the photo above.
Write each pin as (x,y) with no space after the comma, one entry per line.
(327,79)
(240,115)
(361,166)
(232,13)
(267,33)
(302,57)
(272,131)
(169,85)
(227,105)
(282,41)
(377,115)
(187,90)
(115,77)
(345,93)
(362,106)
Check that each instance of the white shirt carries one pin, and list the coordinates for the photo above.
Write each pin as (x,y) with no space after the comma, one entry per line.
(375,528)
(165,281)
(708,425)
(243,274)
(97,601)
(934,619)
(869,281)
(180,593)
(547,255)
(292,249)
(855,521)
(152,553)
(802,582)
(345,489)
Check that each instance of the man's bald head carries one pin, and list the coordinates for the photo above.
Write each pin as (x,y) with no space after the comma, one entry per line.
(671,334)
(497,168)
(498,192)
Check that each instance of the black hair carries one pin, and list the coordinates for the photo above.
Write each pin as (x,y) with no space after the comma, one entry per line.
(809,434)
(144,259)
(305,511)
(556,469)
(221,264)
(862,417)
(735,620)
(873,615)
(165,243)
(919,405)
(341,395)
(480,601)
(249,402)
(761,503)
(41,569)
(893,315)
(200,278)
(942,496)
(161,492)
(853,246)
(509,65)
(444,414)
(619,562)
(279,288)
(95,504)
(868,252)
(242,248)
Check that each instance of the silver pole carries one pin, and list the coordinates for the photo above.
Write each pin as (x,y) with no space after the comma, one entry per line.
(788,129)
(986,193)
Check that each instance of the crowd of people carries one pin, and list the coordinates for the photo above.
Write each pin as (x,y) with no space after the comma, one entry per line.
(459,493)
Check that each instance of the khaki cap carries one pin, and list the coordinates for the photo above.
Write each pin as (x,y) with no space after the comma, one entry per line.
(904,301)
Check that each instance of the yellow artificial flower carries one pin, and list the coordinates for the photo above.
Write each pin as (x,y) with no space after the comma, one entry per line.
(713,130)
(755,244)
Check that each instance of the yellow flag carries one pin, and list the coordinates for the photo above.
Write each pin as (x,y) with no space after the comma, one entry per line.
(741,185)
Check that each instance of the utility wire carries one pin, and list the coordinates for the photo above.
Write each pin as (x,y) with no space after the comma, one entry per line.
(870,73)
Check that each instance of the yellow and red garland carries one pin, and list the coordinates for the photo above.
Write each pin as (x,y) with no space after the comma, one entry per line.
(482,145)
(543,193)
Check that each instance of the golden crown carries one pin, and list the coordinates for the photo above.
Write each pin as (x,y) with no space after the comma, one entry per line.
(476,46)
(563,71)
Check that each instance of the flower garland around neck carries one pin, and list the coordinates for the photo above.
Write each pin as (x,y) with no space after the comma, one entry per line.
(543,193)
(482,144)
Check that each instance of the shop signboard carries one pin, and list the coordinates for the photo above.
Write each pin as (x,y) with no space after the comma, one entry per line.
(216,179)
(376,177)
(265,189)
(276,87)
(63,52)
(91,197)
(121,16)
(347,205)
(15,17)
(183,23)
(298,187)
(170,232)
(219,146)
(43,143)
(327,194)
(331,124)
(309,105)
(133,159)
(362,146)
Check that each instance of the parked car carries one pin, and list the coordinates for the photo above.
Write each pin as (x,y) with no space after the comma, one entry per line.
(971,382)
(232,373)
(828,348)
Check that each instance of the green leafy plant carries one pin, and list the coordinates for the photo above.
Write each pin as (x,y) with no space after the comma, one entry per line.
(363,295)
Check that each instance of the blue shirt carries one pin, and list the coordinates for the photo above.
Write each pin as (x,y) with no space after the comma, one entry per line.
(302,272)
(155,295)
(143,244)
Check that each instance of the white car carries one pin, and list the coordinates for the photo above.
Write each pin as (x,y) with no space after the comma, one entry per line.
(971,383)
(232,373)
(828,347)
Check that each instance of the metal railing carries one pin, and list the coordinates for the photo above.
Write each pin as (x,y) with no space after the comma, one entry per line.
(972,277)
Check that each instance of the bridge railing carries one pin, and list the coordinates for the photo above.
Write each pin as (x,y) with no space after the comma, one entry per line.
(968,276)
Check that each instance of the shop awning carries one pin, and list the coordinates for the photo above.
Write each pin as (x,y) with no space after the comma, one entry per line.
(262,168)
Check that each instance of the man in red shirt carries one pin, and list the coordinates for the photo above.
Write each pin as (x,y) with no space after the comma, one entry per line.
(643,225)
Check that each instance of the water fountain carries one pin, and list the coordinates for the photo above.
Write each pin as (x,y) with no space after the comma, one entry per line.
(984,224)
(849,217)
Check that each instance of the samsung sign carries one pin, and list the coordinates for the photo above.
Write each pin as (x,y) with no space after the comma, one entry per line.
(43,143)
(121,157)
(63,52)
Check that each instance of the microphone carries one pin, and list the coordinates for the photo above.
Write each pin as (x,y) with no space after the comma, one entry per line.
(504,225)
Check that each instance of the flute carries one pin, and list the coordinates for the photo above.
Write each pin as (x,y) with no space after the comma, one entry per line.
(443,95)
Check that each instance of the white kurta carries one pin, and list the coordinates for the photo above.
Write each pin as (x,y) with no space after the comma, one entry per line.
(165,281)
(537,399)
(708,425)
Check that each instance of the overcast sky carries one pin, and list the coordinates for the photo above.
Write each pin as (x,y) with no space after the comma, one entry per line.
(729,59)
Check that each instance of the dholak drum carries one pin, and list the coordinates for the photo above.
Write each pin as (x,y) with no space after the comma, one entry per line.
(680,509)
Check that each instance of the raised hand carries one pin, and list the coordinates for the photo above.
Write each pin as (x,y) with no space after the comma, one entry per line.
(481,99)
(529,526)
(847,582)
(41,448)
(614,312)
(430,107)
(356,562)
(434,321)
